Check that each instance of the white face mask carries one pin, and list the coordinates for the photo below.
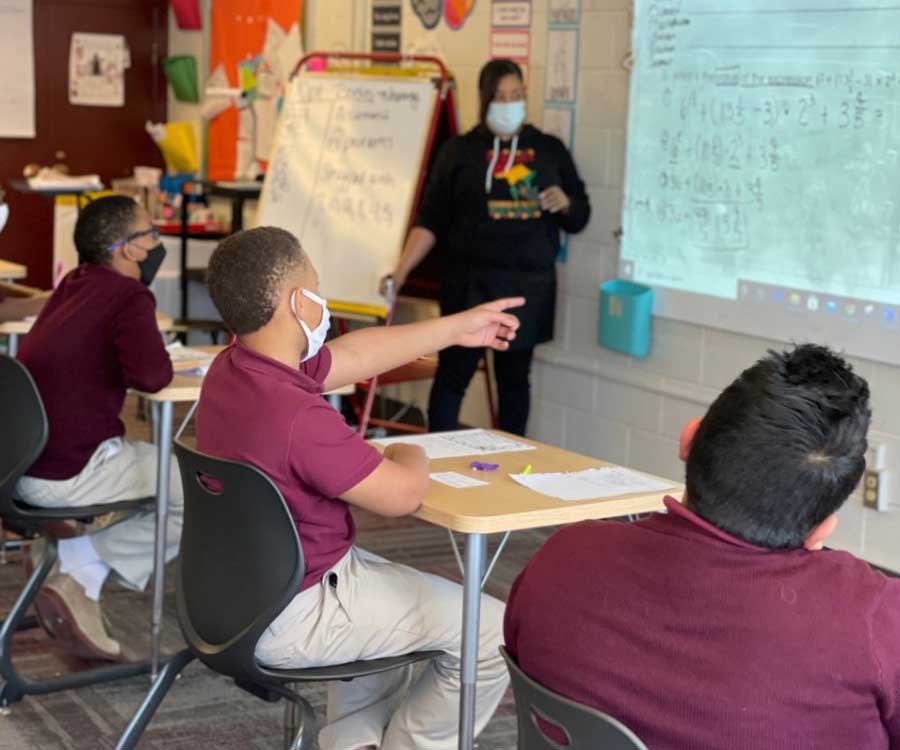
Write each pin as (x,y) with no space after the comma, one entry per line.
(505,118)
(4,215)
(314,338)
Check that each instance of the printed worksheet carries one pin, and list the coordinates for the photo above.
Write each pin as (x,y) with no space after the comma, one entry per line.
(475,442)
(591,484)
(455,479)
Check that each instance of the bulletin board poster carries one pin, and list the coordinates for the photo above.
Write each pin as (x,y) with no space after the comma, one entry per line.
(254,45)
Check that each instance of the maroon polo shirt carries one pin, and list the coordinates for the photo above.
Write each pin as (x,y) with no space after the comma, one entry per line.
(96,337)
(259,411)
(699,641)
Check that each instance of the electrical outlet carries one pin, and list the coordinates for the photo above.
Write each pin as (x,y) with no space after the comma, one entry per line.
(875,491)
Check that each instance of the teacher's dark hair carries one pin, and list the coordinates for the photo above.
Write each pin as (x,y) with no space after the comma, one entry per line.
(101,223)
(247,272)
(488,80)
(781,448)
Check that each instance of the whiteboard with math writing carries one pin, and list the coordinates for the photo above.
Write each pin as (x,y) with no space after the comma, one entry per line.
(763,165)
(343,174)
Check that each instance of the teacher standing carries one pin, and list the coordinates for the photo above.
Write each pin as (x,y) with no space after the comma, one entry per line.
(496,200)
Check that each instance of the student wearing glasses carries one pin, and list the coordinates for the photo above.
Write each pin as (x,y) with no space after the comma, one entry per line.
(497,198)
(96,337)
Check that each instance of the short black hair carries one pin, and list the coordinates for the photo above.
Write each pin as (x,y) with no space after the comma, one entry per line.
(101,223)
(246,273)
(488,80)
(781,448)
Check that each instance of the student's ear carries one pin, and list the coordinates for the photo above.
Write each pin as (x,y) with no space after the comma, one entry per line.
(687,437)
(815,540)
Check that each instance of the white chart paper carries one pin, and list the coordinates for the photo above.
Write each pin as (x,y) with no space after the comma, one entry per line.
(17,89)
(591,484)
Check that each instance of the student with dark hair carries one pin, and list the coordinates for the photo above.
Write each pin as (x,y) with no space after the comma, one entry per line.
(96,337)
(725,623)
(496,200)
(261,403)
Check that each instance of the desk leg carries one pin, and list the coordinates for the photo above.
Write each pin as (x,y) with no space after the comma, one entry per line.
(164,447)
(12,344)
(476,548)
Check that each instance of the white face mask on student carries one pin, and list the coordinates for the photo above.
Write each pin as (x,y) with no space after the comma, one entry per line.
(505,118)
(316,338)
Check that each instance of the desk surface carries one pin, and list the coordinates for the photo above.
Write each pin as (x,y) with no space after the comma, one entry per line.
(10,270)
(22,327)
(505,505)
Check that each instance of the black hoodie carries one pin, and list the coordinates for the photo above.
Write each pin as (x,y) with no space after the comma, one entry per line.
(483,207)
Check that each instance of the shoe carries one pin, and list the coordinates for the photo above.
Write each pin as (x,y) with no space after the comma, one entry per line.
(76,619)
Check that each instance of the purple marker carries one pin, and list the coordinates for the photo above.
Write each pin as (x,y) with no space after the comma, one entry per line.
(480,466)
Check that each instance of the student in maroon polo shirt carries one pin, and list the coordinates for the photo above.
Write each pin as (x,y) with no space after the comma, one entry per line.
(261,403)
(97,337)
(724,623)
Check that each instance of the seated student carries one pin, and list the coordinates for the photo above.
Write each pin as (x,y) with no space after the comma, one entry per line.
(97,337)
(725,624)
(15,306)
(261,403)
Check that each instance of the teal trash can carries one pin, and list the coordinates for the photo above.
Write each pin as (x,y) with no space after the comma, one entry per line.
(626,311)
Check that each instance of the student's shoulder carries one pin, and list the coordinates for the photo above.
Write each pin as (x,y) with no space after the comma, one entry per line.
(586,538)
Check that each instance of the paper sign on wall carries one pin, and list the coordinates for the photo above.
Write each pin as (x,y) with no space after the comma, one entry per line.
(511,13)
(97,65)
(562,56)
(17,91)
(564,11)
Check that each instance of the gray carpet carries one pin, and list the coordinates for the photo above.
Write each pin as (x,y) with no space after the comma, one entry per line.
(204,710)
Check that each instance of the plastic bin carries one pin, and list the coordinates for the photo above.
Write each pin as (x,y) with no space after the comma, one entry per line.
(181,72)
(626,312)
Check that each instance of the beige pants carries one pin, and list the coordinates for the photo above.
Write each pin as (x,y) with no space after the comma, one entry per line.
(366,608)
(118,470)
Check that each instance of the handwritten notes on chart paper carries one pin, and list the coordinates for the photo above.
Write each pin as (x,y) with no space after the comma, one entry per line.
(460,443)
(17,53)
(343,174)
(591,484)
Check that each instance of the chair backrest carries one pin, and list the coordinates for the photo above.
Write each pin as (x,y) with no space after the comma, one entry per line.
(240,562)
(24,430)
(584,728)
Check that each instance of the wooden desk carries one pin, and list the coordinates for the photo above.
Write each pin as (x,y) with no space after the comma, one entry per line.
(14,328)
(10,271)
(503,506)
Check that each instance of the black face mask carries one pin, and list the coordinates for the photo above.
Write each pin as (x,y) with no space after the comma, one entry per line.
(150,265)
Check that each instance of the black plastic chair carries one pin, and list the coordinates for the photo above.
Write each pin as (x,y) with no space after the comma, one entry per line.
(240,565)
(23,436)
(585,728)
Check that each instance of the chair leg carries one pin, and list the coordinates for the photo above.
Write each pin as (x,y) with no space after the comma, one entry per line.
(299,723)
(16,686)
(154,698)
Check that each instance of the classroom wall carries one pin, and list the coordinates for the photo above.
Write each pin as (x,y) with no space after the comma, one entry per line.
(586,398)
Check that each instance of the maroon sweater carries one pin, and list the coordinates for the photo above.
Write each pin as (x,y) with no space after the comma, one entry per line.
(96,337)
(699,641)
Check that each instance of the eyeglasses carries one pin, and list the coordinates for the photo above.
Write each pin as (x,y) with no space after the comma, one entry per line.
(151,232)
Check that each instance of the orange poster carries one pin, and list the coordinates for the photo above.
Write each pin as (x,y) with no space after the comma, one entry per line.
(254,47)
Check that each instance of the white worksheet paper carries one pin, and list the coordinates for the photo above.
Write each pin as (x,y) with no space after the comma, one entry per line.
(460,443)
(591,484)
(455,479)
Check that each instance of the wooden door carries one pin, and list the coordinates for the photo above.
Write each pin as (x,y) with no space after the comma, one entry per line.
(108,141)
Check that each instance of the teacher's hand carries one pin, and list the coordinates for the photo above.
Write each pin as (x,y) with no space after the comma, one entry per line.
(554,200)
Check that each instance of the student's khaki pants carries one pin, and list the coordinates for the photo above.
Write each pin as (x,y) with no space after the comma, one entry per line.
(367,608)
(118,470)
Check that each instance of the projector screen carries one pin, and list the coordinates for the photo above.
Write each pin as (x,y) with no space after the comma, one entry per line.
(762,189)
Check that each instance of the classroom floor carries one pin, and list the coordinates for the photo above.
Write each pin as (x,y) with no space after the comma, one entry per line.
(204,710)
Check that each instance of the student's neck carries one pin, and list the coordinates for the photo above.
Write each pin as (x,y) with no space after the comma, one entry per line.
(275,345)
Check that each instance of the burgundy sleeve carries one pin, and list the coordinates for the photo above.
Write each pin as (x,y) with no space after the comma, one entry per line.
(319,366)
(145,363)
(510,620)
(885,636)
(325,454)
